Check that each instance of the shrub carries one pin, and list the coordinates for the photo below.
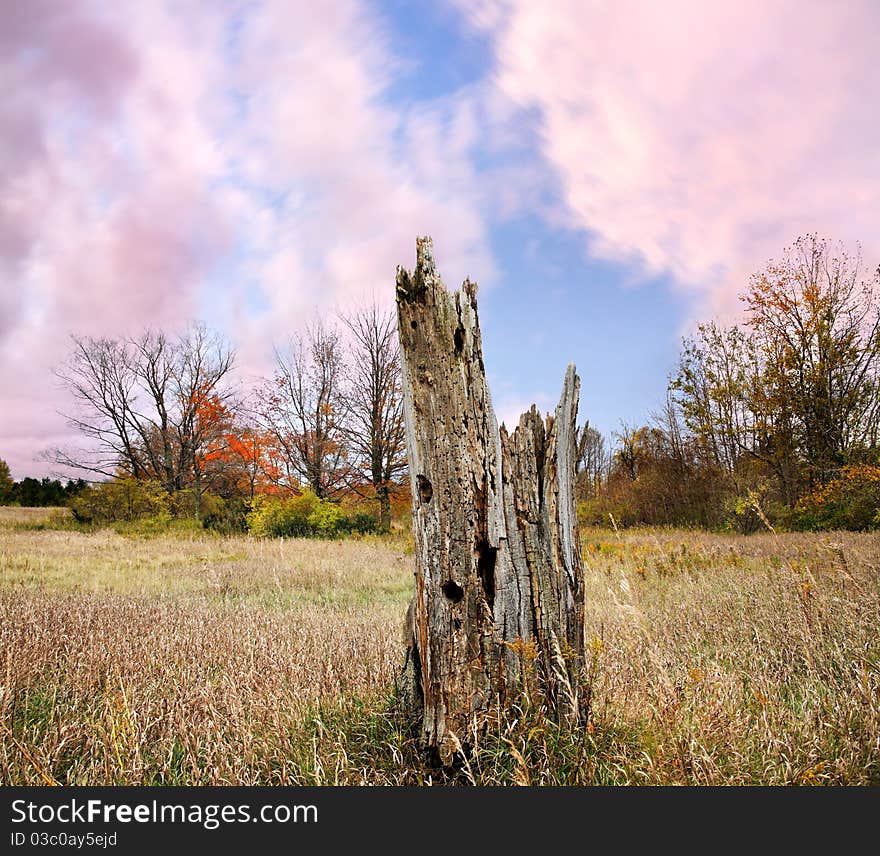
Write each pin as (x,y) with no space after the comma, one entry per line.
(599,511)
(362,523)
(304,516)
(227,516)
(263,516)
(326,520)
(276,517)
(851,500)
(123,499)
(184,503)
(154,524)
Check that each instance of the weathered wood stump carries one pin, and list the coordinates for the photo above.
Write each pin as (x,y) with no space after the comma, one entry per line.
(498,580)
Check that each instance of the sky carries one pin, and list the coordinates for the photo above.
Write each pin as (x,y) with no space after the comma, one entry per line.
(610,173)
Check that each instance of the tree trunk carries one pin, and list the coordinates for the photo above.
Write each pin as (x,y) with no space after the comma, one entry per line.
(384,506)
(499,581)
(198,491)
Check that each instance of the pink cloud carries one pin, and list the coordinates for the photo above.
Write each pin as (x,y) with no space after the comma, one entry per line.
(137,192)
(699,139)
(105,220)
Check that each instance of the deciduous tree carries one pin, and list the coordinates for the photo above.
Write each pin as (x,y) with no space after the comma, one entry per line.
(794,393)
(592,460)
(375,430)
(143,403)
(304,410)
(816,321)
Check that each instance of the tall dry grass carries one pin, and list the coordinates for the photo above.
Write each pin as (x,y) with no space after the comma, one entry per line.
(734,660)
(205,660)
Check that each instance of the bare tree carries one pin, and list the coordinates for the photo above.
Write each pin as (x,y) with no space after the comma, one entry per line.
(150,358)
(592,460)
(719,376)
(628,448)
(303,408)
(145,404)
(97,373)
(669,422)
(375,430)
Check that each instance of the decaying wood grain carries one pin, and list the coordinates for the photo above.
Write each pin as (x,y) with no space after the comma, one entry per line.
(499,581)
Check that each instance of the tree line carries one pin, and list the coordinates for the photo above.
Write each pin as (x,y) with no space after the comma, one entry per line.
(166,410)
(37,493)
(771,421)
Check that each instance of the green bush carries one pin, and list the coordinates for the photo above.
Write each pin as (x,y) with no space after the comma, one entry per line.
(158,524)
(185,503)
(304,516)
(122,499)
(326,520)
(155,524)
(362,523)
(227,516)
(272,516)
(145,508)
(851,500)
(136,507)
(600,511)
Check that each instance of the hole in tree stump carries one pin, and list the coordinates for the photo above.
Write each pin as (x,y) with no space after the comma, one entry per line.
(453,591)
(486,556)
(414,324)
(459,339)
(426,491)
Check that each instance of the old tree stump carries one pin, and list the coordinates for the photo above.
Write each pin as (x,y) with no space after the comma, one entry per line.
(499,581)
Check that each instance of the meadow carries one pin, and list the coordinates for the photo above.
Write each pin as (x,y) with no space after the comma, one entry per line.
(191,658)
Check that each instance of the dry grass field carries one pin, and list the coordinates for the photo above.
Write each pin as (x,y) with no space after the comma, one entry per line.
(197,659)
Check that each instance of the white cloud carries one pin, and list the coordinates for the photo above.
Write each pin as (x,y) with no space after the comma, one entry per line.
(698,139)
